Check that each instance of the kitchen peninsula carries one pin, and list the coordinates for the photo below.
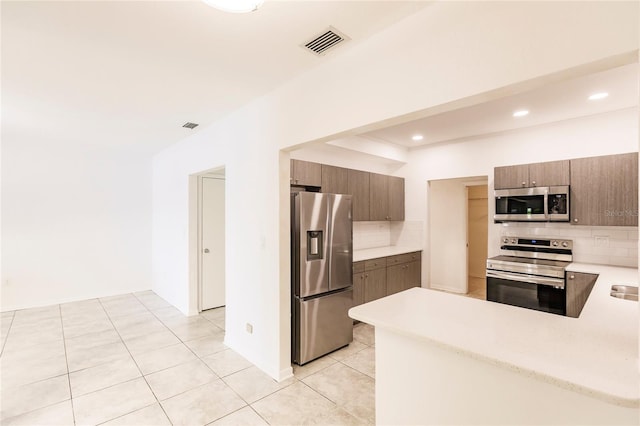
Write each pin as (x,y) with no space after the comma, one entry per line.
(446,359)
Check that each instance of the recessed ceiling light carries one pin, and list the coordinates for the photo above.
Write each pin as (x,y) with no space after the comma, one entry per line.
(520,113)
(597,96)
(417,137)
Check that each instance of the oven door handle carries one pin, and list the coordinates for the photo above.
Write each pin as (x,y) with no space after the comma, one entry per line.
(533,279)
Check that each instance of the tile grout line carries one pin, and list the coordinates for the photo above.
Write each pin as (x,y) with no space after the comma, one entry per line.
(45,379)
(221,378)
(4,343)
(134,361)
(66,359)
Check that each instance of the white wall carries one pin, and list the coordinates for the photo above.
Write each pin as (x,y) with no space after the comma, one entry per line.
(447,263)
(446,52)
(76,223)
(610,133)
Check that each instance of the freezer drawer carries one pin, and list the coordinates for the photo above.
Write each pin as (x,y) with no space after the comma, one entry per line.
(321,325)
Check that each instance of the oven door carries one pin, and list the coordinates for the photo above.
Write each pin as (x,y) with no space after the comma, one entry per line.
(527,291)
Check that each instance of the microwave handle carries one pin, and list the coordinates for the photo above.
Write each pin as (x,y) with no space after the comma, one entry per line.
(546,203)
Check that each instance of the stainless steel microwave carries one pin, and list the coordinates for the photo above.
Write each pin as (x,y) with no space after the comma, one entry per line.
(539,204)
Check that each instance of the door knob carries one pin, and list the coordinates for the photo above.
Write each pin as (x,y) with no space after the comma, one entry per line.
(206,250)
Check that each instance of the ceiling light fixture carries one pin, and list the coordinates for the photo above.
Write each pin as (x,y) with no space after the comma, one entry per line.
(417,137)
(520,113)
(235,6)
(597,96)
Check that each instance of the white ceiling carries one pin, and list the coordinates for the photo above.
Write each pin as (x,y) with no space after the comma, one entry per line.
(128,74)
(555,102)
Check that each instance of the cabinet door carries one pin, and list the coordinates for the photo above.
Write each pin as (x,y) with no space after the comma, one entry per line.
(507,177)
(579,286)
(358,289)
(604,190)
(306,173)
(396,278)
(414,274)
(358,187)
(335,180)
(551,173)
(396,198)
(375,284)
(379,193)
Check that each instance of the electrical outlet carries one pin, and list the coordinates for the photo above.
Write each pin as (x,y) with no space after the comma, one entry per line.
(602,241)
(249,328)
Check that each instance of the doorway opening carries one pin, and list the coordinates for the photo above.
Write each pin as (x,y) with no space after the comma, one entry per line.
(211,241)
(477,240)
(458,228)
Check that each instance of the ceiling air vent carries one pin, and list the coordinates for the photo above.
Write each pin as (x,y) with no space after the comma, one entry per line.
(329,39)
(190,125)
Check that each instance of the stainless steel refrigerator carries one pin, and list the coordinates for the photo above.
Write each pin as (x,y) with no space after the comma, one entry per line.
(321,274)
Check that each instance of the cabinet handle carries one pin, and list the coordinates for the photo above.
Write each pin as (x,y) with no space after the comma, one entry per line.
(366,275)
(533,183)
(571,277)
(524,183)
(575,220)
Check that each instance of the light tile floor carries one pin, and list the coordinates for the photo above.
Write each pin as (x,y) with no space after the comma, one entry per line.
(136,360)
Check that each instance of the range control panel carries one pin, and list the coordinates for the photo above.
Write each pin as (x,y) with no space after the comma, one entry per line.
(537,242)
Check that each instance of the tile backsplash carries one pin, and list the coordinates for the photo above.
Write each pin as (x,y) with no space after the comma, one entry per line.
(371,234)
(381,234)
(608,245)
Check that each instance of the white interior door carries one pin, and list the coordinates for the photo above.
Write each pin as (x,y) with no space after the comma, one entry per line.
(213,274)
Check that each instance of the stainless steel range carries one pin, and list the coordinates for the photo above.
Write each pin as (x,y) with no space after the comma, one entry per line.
(530,273)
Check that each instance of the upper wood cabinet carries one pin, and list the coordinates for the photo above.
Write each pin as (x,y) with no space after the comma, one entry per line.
(551,173)
(358,187)
(335,180)
(379,203)
(507,177)
(387,197)
(373,196)
(305,173)
(604,190)
(396,198)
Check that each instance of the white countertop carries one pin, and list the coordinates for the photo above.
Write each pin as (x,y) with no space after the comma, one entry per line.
(374,253)
(595,354)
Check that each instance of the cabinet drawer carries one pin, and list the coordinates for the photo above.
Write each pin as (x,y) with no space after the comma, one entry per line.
(403,258)
(372,264)
(358,267)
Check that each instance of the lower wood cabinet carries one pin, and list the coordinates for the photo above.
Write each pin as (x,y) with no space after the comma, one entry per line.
(375,284)
(403,277)
(376,278)
(578,287)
